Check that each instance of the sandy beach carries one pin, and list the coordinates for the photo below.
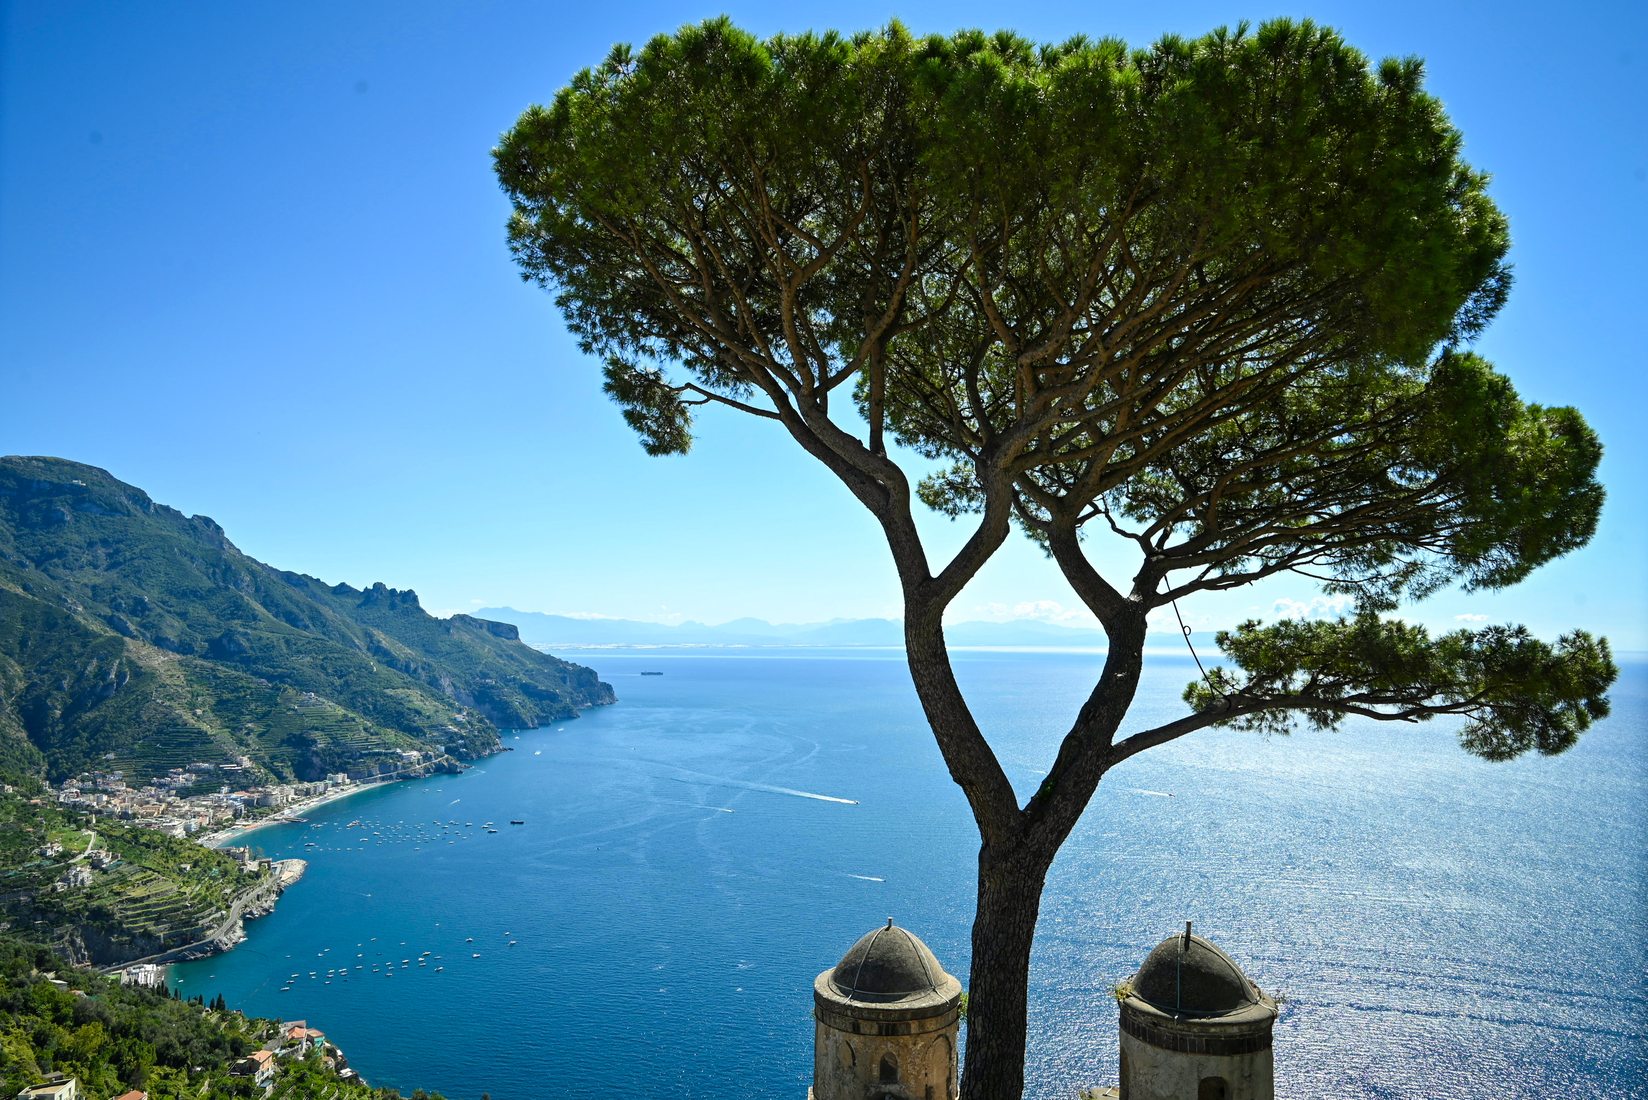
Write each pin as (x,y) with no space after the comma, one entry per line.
(227,837)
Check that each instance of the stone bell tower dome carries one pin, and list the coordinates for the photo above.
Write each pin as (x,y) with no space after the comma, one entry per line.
(1193,1027)
(887,1017)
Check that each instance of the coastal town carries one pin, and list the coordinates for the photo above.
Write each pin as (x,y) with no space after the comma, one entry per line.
(205,800)
(134,871)
(82,847)
(196,800)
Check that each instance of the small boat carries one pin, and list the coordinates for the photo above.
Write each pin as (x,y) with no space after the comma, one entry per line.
(650,673)
(514,821)
(476,955)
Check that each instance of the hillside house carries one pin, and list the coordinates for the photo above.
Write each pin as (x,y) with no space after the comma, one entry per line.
(57,1087)
(298,1039)
(258,1065)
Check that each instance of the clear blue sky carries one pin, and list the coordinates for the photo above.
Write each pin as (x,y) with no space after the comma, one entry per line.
(252,260)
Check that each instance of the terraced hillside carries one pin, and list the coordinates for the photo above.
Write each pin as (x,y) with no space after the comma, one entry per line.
(158,893)
(134,636)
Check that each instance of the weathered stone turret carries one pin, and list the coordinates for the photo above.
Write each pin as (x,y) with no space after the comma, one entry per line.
(1193,1027)
(887,1020)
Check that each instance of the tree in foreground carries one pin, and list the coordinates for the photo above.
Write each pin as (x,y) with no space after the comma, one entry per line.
(1212,299)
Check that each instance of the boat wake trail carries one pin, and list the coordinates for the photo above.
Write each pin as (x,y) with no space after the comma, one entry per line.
(721,781)
(864,878)
(792,792)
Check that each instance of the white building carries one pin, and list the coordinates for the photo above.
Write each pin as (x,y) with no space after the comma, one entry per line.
(57,1087)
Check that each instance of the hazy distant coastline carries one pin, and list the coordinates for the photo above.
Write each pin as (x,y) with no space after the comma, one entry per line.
(564,631)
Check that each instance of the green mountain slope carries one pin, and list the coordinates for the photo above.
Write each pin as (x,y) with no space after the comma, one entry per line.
(134,636)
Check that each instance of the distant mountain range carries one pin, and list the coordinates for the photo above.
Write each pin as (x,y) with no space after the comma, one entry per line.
(554,631)
(138,638)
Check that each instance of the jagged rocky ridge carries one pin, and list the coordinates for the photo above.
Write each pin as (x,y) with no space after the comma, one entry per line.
(134,636)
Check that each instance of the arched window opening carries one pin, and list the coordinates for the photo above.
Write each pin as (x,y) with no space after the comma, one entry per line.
(889,1070)
(1213,1088)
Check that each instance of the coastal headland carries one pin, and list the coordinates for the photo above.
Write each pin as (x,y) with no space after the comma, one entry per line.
(154,649)
(179,694)
(255,901)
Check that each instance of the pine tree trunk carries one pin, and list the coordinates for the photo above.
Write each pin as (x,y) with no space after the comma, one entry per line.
(1004,927)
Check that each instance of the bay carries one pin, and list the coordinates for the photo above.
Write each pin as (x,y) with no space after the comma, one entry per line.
(693,856)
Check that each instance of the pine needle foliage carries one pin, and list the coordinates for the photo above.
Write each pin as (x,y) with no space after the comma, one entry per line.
(1213,298)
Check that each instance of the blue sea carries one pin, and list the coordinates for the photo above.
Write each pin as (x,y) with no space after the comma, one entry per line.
(693,856)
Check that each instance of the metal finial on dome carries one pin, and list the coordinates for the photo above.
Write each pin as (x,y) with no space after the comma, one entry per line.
(889,922)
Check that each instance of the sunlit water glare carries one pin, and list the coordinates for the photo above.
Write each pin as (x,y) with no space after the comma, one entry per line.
(692,857)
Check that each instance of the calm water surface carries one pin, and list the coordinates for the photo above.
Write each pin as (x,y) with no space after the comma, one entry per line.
(692,857)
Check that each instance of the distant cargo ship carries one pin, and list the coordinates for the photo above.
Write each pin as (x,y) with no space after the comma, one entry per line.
(651,673)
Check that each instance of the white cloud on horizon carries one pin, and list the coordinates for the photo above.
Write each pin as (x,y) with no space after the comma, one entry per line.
(1468,617)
